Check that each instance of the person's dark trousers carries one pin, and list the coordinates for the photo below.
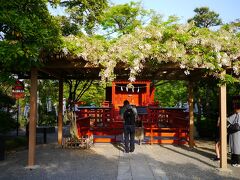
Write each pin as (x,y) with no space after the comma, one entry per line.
(235,158)
(129,134)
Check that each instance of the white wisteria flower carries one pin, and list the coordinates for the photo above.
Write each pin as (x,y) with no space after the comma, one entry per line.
(186,72)
(182,66)
(147,47)
(159,34)
(218,56)
(217,47)
(187,45)
(236,70)
(225,59)
(65,50)
(132,78)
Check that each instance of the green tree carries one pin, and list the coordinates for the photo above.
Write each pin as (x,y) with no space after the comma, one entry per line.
(48,98)
(85,13)
(27,32)
(123,18)
(206,91)
(236,25)
(76,89)
(205,18)
(169,93)
(232,90)
(83,90)
(90,92)
(94,95)
(67,26)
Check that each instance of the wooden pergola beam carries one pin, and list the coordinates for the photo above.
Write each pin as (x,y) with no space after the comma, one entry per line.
(50,73)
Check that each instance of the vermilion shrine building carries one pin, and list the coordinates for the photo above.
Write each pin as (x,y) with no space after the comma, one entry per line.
(161,125)
(141,94)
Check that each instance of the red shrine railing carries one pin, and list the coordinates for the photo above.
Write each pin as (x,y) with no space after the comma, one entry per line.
(166,125)
(161,125)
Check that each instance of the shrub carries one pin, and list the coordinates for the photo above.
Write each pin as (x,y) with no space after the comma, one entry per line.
(7,123)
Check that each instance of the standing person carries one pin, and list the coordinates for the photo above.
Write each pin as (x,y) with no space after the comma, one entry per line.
(234,139)
(217,141)
(128,114)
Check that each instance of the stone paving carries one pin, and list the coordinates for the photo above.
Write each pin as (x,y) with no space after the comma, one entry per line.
(108,162)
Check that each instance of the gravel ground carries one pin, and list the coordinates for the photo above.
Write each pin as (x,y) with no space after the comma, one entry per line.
(103,161)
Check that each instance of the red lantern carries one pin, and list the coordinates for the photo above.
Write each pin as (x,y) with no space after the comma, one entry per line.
(18,90)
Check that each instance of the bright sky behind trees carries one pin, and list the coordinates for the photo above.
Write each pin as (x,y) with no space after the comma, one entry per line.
(227,9)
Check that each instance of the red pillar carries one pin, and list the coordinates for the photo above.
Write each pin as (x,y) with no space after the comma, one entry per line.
(113,94)
(148,95)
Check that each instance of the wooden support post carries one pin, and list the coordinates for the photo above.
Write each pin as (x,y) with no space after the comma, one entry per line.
(223,116)
(113,94)
(33,117)
(191,115)
(60,112)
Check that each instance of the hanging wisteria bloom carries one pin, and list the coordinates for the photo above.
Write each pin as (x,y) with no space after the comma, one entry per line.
(183,44)
(65,50)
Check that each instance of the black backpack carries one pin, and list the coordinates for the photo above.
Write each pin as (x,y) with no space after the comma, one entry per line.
(129,117)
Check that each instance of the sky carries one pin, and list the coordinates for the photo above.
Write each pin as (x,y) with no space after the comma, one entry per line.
(228,10)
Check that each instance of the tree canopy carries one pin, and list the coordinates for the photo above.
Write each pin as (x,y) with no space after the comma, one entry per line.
(123,18)
(27,29)
(85,13)
(205,18)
